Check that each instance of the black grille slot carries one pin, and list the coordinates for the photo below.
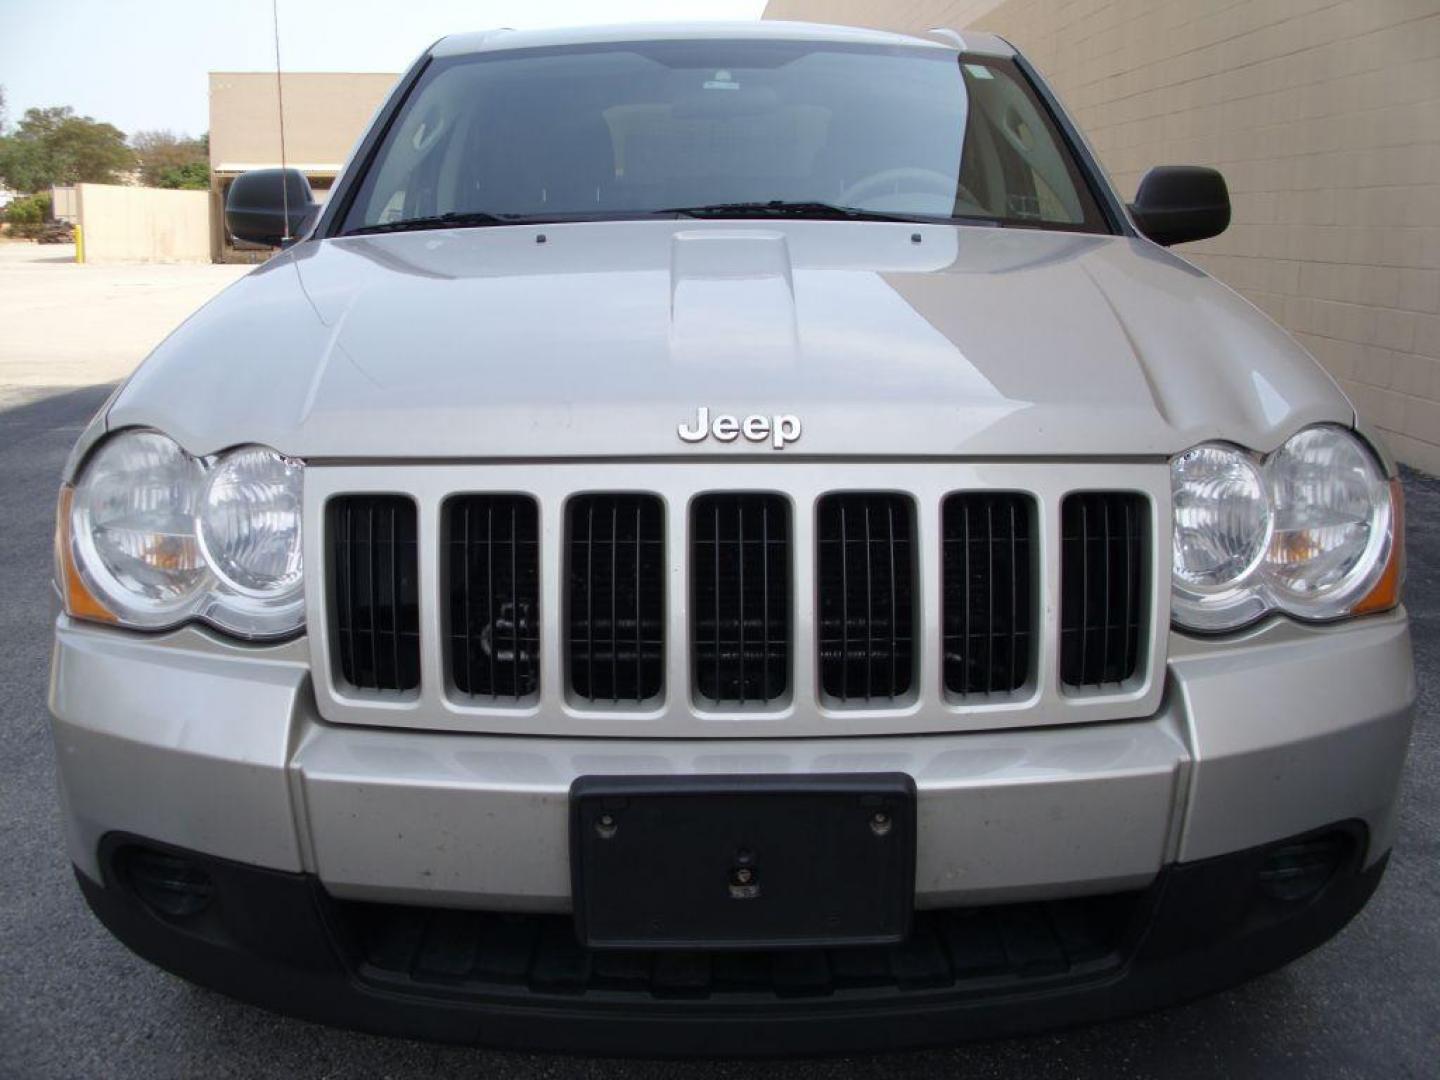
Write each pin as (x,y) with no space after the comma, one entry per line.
(987,592)
(374,591)
(1102,587)
(740,570)
(617,597)
(492,574)
(866,574)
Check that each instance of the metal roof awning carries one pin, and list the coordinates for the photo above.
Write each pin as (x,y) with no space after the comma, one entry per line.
(232,168)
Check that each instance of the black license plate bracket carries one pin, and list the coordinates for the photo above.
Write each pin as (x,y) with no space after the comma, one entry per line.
(742,862)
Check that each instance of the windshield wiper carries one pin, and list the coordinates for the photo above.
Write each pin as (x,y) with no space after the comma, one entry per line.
(820,211)
(782,208)
(453,220)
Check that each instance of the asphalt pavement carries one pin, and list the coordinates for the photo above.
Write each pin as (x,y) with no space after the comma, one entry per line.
(76,1003)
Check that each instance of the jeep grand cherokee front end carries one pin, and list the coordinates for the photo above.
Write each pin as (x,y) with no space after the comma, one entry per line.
(727,539)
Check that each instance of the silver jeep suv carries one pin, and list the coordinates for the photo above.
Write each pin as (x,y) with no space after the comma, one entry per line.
(727,539)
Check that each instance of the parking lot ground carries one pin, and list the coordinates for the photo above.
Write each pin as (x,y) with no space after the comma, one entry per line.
(63,325)
(76,1003)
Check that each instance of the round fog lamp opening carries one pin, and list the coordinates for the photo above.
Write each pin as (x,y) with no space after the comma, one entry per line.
(249,519)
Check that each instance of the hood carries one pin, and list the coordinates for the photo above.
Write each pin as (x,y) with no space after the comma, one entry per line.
(583,340)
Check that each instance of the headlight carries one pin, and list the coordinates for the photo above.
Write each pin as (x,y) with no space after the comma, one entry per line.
(1222,528)
(154,538)
(1311,531)
(134,529)
(249,518)
(1332,522)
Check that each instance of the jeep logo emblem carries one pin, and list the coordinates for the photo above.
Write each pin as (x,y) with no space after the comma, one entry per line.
(778,429)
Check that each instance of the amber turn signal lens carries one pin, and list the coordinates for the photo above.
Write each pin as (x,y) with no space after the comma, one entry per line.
(80,602)
(1386,593)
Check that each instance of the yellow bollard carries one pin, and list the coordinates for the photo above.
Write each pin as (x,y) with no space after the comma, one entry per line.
(79,245)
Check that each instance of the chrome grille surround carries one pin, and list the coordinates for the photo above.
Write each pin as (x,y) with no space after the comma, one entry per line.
(680,712)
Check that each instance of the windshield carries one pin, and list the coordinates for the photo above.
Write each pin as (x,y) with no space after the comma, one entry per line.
(722,128)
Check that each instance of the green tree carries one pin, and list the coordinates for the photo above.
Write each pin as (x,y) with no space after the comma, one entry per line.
(24,164)
(54,146)
(193,176)
(27,215)
(170,160)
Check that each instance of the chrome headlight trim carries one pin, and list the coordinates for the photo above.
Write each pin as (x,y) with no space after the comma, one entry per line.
(205,589)
(1330,505)
(132,529)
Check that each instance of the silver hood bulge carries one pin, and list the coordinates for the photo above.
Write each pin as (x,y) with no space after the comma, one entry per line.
(603,338)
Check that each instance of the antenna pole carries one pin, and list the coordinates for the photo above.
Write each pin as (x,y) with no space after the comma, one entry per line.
(280,102)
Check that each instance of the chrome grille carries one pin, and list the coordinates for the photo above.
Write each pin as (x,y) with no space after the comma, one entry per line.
(605,612)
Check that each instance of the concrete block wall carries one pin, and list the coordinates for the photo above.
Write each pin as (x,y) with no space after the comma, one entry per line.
(1324,118)
(139,224)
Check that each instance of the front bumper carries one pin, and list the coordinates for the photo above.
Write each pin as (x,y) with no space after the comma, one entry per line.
(218,750)
(280,940)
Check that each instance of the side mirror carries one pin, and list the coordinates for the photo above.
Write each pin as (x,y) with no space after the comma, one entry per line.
(255,207)
(1178,203)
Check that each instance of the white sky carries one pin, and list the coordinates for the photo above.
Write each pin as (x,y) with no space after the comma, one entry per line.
(142,64)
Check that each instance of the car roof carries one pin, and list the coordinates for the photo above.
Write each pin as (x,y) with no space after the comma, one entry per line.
(485,41)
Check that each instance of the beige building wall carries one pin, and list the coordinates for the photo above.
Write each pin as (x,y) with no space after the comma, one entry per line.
(138,224)
(325,114)
(1324,118)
